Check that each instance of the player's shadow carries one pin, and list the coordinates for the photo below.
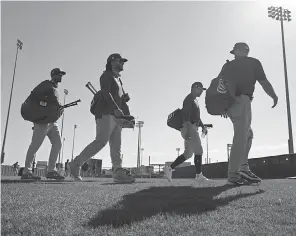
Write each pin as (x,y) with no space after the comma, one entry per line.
(175,200)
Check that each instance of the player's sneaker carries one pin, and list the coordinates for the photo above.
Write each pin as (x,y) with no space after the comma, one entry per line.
(248,175)
(201,178)
(30,176)
(168,172)
(54,175)
(75,171)
(237,182)
(122,175)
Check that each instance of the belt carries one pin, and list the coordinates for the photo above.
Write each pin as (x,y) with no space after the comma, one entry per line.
(250,96)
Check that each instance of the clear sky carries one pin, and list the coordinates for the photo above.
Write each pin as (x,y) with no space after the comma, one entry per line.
(169,46)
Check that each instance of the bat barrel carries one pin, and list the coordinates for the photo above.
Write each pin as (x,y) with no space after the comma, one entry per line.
(72,103)
(91,88)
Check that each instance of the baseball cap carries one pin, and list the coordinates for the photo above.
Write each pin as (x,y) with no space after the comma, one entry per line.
(240,46)
(198,85)
(116,56)
(57,71)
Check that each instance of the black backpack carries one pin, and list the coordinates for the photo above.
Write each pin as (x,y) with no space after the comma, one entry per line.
(96,103)
(32,111)
(218,98)
(175,119)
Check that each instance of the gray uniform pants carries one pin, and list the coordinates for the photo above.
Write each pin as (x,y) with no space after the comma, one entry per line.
(50,130)
(192,145)
(240,114)
(107,130)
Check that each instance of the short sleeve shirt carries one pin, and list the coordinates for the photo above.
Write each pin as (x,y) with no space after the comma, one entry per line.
(245,71)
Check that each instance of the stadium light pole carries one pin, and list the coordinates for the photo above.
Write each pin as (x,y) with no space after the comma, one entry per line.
(140,125)
(63,150)
(142,153)
(62,128)
(19,45)
(280,14)
(208,126)
(75,126)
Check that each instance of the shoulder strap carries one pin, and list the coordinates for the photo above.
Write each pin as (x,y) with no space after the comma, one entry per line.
(223,69)
(121,85)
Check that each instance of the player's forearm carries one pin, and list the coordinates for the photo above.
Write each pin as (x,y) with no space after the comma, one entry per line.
(267,87)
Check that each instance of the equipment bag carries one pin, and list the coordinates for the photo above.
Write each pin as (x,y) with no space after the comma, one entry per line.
(218,98)
(175,119)
(31,110)
(96,103)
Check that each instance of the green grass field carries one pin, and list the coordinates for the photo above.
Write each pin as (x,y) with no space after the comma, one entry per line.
(148,207)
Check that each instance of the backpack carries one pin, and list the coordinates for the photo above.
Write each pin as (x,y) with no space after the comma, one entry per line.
(175,119)
(32,111)
(96,102)
(217,98)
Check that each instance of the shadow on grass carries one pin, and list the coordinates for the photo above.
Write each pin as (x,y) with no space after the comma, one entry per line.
(173,200)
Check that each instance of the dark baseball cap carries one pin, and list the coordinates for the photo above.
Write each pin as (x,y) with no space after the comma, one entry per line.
(198,85)
(240,46)
(57,71)
(115,56)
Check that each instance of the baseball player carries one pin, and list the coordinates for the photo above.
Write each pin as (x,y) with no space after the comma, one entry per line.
(66,168)
(189,132)
(48,89)
(245,72)
(15,168)
(108,129)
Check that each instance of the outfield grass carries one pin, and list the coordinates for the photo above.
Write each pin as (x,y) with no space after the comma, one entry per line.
(148,207)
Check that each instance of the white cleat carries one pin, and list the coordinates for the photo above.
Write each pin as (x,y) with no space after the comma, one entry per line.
(75,171)
(168,173)
(201,178)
